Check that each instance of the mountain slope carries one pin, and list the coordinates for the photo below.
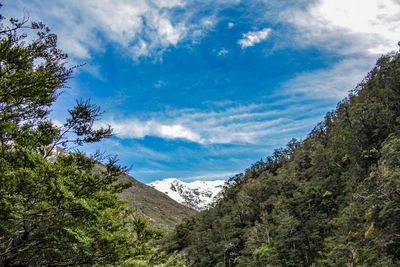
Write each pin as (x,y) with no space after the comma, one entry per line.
(332,199)
(161,210)
(157,207)
(197,195)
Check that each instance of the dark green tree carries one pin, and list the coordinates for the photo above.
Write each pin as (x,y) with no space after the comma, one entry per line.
(56,208)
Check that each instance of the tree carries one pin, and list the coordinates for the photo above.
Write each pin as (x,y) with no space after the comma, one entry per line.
(56,210)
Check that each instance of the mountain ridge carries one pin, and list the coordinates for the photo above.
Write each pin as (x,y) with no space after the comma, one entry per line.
(197,195)
(160,209)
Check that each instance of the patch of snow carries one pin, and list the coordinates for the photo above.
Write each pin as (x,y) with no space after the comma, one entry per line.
(197,195)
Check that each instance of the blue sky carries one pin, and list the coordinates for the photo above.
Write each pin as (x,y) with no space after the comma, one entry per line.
(202,89)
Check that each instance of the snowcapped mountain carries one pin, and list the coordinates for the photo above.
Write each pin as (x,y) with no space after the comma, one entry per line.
(197,195)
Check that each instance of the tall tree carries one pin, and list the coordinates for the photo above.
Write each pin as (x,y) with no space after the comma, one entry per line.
(56,210)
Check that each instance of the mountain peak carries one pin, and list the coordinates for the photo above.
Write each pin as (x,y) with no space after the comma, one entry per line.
(197,194)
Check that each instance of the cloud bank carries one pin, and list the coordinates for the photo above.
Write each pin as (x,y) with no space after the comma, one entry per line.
(141,28)
(348,26)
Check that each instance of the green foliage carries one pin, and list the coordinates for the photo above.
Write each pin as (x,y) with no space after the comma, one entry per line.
(57,210)
(332,199)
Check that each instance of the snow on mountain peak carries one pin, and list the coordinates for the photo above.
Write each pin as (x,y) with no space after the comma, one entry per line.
(197,195)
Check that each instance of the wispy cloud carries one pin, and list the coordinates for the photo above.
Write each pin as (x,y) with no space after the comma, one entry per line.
(232,125)
(252,38)
(210,176)
(331,83)
(353,30)
(133,150)
(222,52)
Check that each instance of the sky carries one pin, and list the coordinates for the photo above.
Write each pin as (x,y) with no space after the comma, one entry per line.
(200,90)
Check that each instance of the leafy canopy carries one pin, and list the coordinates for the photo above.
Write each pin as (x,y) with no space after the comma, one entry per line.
(56,208)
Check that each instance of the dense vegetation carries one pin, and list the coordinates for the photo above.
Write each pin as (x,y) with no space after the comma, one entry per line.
(57,211)
(332,199)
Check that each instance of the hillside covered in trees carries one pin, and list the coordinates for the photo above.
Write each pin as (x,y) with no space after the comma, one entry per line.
(332,199)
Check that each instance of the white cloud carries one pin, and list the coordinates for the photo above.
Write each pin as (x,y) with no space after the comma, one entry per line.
(250,124)
(142,28)
(178,131)
(166,33)
(357,31)
(139,27)
(231,25)
(168,3)
(140,129)
(222,52)
(252,38)
(371,26)
(210,176)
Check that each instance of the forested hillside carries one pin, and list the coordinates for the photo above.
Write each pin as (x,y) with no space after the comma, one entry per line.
(332,199)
